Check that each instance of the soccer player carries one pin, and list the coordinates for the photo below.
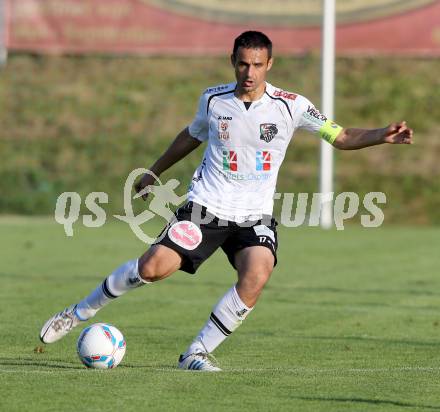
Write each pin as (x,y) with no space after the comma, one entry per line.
(247,126)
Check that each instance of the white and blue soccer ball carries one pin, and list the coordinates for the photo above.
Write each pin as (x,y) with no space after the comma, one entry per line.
(101,346)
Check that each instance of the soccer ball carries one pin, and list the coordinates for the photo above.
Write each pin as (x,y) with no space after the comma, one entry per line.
(101,346)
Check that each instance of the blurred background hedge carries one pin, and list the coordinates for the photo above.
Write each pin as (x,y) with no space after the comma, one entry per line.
(83,123)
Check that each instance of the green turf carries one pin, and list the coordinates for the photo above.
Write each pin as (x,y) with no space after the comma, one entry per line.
(349,321)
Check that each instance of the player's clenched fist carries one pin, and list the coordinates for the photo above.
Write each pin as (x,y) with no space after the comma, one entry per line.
(142,186)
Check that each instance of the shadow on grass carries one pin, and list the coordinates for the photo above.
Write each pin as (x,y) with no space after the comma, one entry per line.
(162,368)
(55,363)
(362,339)
(359,339)
(63,364)
(411,292)
(367,401)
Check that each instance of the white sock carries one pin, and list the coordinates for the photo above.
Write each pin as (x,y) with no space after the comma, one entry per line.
(227,316)
(123,279)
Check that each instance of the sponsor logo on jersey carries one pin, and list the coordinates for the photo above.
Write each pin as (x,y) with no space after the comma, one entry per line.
(284,94)
(314,115)
(230,160)
(263,160)
(185,234)
(245,176)
(216,89)
(268,131)
(223,126)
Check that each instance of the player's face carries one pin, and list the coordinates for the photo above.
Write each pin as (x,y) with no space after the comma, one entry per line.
(251,67)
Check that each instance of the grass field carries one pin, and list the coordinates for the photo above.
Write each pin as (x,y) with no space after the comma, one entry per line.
(349,321)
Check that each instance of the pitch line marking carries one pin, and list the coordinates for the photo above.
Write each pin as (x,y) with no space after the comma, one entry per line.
(261,370)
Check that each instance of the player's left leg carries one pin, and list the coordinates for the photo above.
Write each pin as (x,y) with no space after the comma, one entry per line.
(155,264)
(254,266)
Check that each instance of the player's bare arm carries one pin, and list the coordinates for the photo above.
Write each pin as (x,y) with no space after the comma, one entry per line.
(352,138)
(182,145)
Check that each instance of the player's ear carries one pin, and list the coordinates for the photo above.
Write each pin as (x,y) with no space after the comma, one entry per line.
(269,63)
(233,60)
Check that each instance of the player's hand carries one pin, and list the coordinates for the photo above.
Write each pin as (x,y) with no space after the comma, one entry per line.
(142,187)
(398,133)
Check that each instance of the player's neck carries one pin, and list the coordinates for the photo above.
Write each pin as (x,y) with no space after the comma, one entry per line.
(252,96)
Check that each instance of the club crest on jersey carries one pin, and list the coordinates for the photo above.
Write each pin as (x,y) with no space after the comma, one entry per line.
(268,131)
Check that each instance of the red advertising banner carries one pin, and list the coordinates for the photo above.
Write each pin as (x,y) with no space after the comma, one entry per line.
(209,26)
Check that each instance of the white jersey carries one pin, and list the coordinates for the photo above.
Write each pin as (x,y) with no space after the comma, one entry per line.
(237,177)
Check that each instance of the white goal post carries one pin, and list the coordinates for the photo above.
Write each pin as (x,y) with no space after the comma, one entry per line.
(327,106)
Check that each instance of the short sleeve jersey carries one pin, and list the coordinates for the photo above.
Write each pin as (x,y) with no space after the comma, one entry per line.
(237,177)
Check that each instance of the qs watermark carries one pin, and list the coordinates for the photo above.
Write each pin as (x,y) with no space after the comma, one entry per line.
(296,209)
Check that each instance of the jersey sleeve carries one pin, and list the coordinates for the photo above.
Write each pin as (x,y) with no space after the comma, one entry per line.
(312,120)
(199,127)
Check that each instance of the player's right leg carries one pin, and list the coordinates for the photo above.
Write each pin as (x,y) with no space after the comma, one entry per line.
(157,263)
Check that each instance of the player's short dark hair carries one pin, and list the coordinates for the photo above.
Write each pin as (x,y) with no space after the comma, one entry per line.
(253,40)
